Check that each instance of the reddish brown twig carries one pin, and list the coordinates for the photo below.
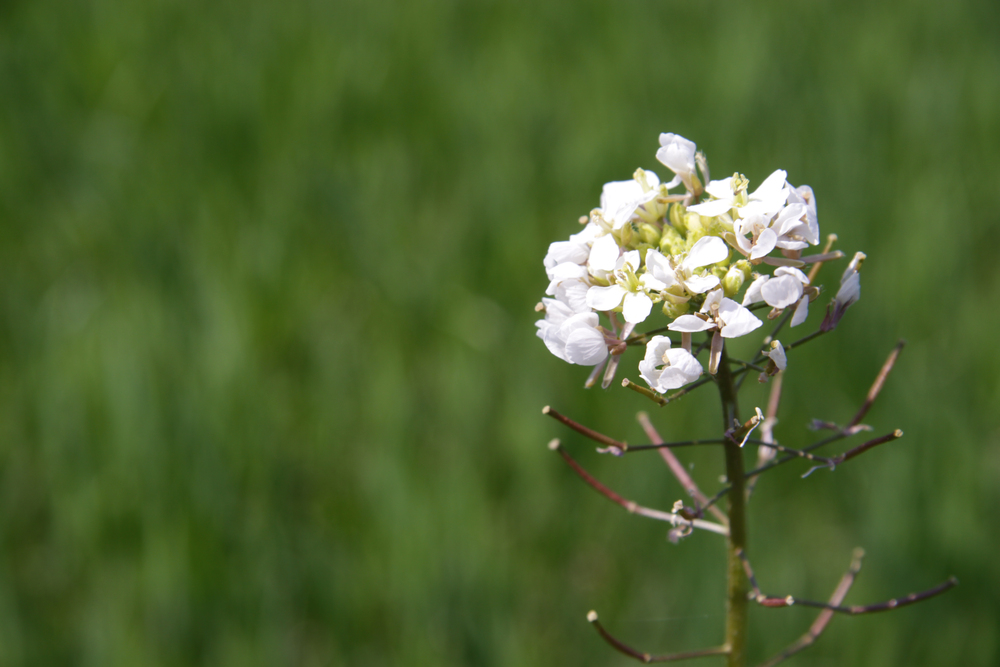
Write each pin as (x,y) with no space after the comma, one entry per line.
(621,646)
(860,449)
(877,385)
(631,506)
(894,603)
(589,432)
(679,471)
(825,616)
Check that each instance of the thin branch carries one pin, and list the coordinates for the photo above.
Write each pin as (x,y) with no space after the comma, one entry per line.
(648,393)
(643,338)
(765,454)
(677,469)
(830,240)
(747,364)
(888,605)
(825,616)
(879,381)
(860,449)
(580,428)
(676,445)
(631,506)
(621,646)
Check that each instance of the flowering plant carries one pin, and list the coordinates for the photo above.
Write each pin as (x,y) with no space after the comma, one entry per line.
(710,254)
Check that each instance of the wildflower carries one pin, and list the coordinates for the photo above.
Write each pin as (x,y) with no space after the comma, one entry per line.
(708,250)
(849,292)
(627,291)
(665,368)
(573,337)
(678,155)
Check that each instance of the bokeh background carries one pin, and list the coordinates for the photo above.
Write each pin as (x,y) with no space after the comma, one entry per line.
(269,387)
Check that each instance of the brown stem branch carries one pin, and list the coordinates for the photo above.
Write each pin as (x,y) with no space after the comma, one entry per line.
(621,646)
(677,469)
(879,381)
(888,605)
(825,616)
(631,506)
(580,428)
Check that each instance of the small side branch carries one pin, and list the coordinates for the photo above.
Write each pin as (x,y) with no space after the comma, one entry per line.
(631,506)
(860,449)
(622,647)
(677,469)
(888,605)
(879,381)
(583,430)
(825,616)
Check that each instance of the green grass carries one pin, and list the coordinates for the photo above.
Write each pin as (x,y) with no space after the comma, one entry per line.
(269,386)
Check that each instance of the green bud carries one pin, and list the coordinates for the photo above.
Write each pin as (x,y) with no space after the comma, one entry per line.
(649,234)
(695,228)
(671,242)
(677,215)
(744,266)
(625,236)
(733,280)
(674,310)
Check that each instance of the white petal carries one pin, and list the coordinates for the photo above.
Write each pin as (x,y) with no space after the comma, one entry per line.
(566,251)
(721,189)
(659,266)
(650,282)
(655,349)
(777,355)
(739,321)
(710,209)
(632,257)
(699,284)
(573,293)
(782,291)
(586,347)
(604,253)
(801,312)
(676,152)
(765,243)
(708,250)
(605,298)
(564,272)
(690,323)
(792,271)
(557,312)
(712,299)
(637,307)
(753,292)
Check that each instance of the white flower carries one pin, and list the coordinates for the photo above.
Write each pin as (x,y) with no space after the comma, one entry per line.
(728,317)
(677,154)
(777,355)
(807,229)
(849,292)
(664,368)
(783,290)
(765,201)
(620,199)
(573,337)
(628,291)
(707,250)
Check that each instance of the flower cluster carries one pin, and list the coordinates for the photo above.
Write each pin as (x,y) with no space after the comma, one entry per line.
(688,248)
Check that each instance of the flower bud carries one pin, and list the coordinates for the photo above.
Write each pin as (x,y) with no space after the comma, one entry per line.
(671,242)
(649,234)
(674,310)
(733,280)
(677,213)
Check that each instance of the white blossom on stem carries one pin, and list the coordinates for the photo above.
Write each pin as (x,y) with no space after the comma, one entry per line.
(849,292)
(665,368)
(627,291)
(573,337)
(678,155)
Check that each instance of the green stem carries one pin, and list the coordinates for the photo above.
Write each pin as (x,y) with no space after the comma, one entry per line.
(736,589)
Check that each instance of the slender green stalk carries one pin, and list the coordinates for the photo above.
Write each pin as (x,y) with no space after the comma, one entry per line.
(736,588)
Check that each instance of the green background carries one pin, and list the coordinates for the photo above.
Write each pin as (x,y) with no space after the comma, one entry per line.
(269,386)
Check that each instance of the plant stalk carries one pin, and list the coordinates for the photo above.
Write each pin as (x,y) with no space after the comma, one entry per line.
(737,587)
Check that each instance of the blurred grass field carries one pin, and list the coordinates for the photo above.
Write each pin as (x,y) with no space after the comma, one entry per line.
(269,386)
